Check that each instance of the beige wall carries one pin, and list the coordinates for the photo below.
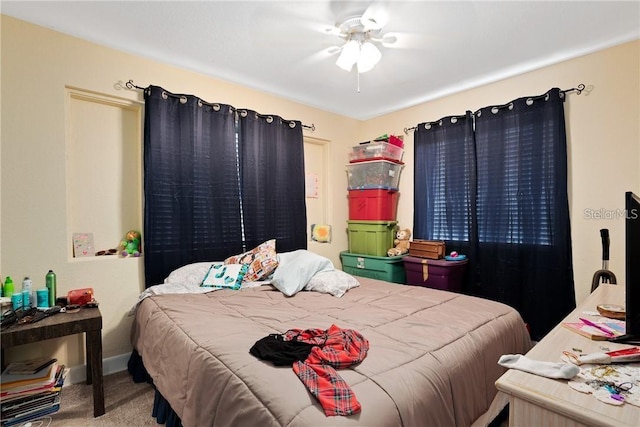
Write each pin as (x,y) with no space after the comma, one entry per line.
(37,65)
(603,137)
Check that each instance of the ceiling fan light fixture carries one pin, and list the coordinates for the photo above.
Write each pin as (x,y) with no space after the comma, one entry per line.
(361,33)
(370,53)
(349,55)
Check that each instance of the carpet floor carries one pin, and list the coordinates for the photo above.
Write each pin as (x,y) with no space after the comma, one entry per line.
(126,404)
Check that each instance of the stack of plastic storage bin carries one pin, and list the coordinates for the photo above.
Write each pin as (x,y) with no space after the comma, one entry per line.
(373,174)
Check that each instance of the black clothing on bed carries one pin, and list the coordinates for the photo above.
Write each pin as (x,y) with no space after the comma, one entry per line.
(280,352)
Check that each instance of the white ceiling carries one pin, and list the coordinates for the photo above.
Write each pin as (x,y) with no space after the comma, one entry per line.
(282,47)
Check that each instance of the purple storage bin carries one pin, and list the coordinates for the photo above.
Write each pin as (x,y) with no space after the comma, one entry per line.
(435,273)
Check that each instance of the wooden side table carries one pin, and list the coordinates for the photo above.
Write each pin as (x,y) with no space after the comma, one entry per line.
(88,321)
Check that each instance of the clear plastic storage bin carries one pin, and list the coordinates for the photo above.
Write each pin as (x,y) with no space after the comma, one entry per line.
(376,150)
(374,174)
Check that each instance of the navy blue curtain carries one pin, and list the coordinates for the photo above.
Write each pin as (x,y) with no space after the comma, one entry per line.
(216,183)
(445,186)
(272,181)
(191,192)
(519,231)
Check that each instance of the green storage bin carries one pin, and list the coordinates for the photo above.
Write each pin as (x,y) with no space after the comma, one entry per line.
(371,237)
(386,268)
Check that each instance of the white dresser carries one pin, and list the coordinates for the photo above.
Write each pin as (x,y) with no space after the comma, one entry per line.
(539,401)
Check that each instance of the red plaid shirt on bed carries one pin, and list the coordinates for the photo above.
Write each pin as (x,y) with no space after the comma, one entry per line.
(334,348)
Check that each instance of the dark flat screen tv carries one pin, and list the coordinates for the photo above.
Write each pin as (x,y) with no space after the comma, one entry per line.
(632,279)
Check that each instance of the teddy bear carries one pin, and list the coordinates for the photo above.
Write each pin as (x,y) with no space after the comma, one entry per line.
(401,243)
(130,246)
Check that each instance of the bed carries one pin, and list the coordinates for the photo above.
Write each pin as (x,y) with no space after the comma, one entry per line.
(432,358)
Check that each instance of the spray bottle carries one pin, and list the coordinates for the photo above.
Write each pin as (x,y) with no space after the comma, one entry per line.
(50,280)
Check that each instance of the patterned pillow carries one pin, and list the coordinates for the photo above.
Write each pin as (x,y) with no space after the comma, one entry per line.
(225,276)
(261,261)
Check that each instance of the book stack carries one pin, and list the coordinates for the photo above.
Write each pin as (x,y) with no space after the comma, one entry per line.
(29,390)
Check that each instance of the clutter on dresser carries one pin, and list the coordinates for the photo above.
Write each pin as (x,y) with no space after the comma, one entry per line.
(80,297)
(612,311)
(23,316)
(27,306)
(28,296)
(625,355)
(611,384)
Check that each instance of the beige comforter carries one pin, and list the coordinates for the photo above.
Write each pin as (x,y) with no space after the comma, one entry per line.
(432,359)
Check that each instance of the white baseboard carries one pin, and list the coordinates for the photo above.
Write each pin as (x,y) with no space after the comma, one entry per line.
(110,365)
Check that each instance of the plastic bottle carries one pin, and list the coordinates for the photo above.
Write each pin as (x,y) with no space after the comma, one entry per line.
(27,285)
(26,292)
(8,287)
(42,298)
(50,280)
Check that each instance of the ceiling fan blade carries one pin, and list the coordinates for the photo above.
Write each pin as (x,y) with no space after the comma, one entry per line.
(388,40)
(375,16)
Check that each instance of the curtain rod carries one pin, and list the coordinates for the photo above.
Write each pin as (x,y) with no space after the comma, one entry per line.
(131,85)
(578,91)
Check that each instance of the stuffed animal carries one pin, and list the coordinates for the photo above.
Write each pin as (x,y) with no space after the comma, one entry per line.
(131,245)
(402,243)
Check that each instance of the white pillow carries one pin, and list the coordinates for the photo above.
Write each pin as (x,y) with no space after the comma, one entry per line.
(190,274)
(296,268)
(335,282)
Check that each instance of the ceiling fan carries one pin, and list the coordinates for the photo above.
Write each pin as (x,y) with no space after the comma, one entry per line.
(363,37)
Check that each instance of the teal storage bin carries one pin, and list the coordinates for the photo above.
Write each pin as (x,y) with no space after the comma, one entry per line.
(390,269)
(373,238)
